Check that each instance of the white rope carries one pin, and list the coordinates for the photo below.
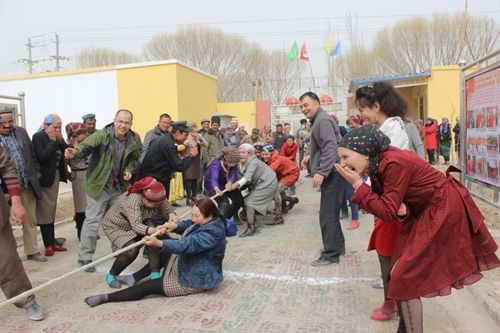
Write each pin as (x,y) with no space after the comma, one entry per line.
(84,267)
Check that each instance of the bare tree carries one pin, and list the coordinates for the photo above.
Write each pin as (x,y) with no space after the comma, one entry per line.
(281,77)
(236,62)
(95,57)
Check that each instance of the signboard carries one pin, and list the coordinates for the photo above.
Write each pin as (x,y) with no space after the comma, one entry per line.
(482,111)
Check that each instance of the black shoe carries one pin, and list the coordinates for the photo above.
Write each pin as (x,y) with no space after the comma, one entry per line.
(325,262)
(175,204)
(284,207)
(292,203)
(250,231)
(86,262)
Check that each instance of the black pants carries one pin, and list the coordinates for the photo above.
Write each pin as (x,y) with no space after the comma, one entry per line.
(48,234)
(431,154)
(190,186)
(332,193)
(228,210)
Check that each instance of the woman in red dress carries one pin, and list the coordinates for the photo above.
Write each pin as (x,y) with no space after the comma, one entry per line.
(443,241)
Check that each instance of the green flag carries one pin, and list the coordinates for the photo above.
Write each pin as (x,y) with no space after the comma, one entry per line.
(294,52)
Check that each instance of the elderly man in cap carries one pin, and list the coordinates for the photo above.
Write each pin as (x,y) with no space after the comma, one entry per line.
(215,140)
(18,144)
(162,157)
(253,138)
(205,126)
(164,124)
(115,153)
(89,122)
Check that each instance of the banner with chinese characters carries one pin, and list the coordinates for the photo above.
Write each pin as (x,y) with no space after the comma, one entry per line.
(483,126)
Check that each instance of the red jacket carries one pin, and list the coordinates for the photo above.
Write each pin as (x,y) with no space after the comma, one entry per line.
(286,171)
(290,152)
(430,137)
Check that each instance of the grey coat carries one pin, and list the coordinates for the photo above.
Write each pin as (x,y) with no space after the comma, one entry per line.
(414,141)
(262,183)
(30,161)
(325,135)
(151,135)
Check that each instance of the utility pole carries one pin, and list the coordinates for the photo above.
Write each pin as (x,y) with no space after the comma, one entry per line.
(29,61)
(57,57)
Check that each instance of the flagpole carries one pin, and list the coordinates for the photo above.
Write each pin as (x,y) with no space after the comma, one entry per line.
(312,75)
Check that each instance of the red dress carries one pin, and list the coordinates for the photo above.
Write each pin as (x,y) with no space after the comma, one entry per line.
(444,242)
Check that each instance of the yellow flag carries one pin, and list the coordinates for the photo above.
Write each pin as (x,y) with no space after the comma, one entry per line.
(329,45)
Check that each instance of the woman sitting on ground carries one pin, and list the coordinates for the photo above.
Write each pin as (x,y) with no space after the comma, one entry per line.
(128,220)
(443,241)
(201,249)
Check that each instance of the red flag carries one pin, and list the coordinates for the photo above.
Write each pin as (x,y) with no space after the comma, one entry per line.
(303,53)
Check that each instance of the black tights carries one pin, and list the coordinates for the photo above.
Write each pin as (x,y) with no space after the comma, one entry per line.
(385,269)
(410,316)
(48,234)
(138,291)
(190,187)
(123,260)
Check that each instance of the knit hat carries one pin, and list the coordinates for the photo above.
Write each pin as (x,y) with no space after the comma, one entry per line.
(75,129)
(230,154)
(367,140)
(149,188)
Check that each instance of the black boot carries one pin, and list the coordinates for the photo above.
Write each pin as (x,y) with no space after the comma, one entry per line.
(284,207)
(293,202)
(250,231)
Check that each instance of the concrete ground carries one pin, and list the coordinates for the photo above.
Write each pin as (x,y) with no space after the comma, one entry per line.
(269,286)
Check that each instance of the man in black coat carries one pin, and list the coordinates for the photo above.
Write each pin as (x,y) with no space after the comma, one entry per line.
(162,157)
(18,144)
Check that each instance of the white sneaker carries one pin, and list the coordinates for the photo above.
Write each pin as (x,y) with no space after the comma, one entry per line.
(34,311)
(378,283)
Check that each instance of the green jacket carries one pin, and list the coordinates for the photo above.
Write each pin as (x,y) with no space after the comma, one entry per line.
(101,145)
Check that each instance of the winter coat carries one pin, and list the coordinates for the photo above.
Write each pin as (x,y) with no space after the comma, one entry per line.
(430,136)
(101,145)
(290,152)
(286,171)
(215,175)
(49,154)
(201,252)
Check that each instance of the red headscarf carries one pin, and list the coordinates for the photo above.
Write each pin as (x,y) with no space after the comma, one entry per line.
(149,188)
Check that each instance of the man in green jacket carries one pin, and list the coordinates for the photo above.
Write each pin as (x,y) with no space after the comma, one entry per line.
(115,154)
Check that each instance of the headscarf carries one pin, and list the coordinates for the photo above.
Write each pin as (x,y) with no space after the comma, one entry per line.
(268,148)
(75,129)
(247,147)
(230,154)
(367,140)
(258,146)
(49,120)
(149,188)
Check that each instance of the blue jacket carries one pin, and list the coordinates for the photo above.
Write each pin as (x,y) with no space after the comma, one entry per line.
(201,253)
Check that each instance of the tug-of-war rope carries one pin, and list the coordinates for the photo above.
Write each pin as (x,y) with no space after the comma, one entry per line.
(89,265)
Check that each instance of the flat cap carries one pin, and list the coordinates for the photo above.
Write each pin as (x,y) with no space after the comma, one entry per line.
(88,116)
(181,125)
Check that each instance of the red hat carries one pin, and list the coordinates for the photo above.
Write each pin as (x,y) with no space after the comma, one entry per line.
(150,189)
(75,129)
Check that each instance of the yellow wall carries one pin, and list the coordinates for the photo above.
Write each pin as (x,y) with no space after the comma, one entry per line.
(412,95)
(444,93)
(244,112)
(196,95)
(148,92)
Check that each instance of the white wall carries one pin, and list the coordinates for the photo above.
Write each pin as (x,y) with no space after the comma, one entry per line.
(70,96)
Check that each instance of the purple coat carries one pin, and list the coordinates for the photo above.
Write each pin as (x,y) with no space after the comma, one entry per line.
(216,176)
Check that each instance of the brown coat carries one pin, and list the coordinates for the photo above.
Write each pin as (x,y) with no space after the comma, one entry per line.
(125,219)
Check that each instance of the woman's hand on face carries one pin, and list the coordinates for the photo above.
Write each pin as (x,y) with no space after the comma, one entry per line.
(350,175)
(152,241)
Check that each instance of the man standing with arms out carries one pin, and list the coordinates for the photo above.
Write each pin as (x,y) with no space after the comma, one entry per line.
(16,141)
(13,278)
(162,128)
(322,155)
(115,154)
(90,122)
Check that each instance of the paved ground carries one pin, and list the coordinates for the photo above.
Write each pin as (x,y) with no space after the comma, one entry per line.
(269,286)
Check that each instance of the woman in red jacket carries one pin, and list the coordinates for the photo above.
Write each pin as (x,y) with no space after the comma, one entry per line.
(289,149)
(431,140)
(443,241)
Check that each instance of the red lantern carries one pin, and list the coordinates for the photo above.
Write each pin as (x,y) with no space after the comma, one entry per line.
(326,99)
(291,101)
